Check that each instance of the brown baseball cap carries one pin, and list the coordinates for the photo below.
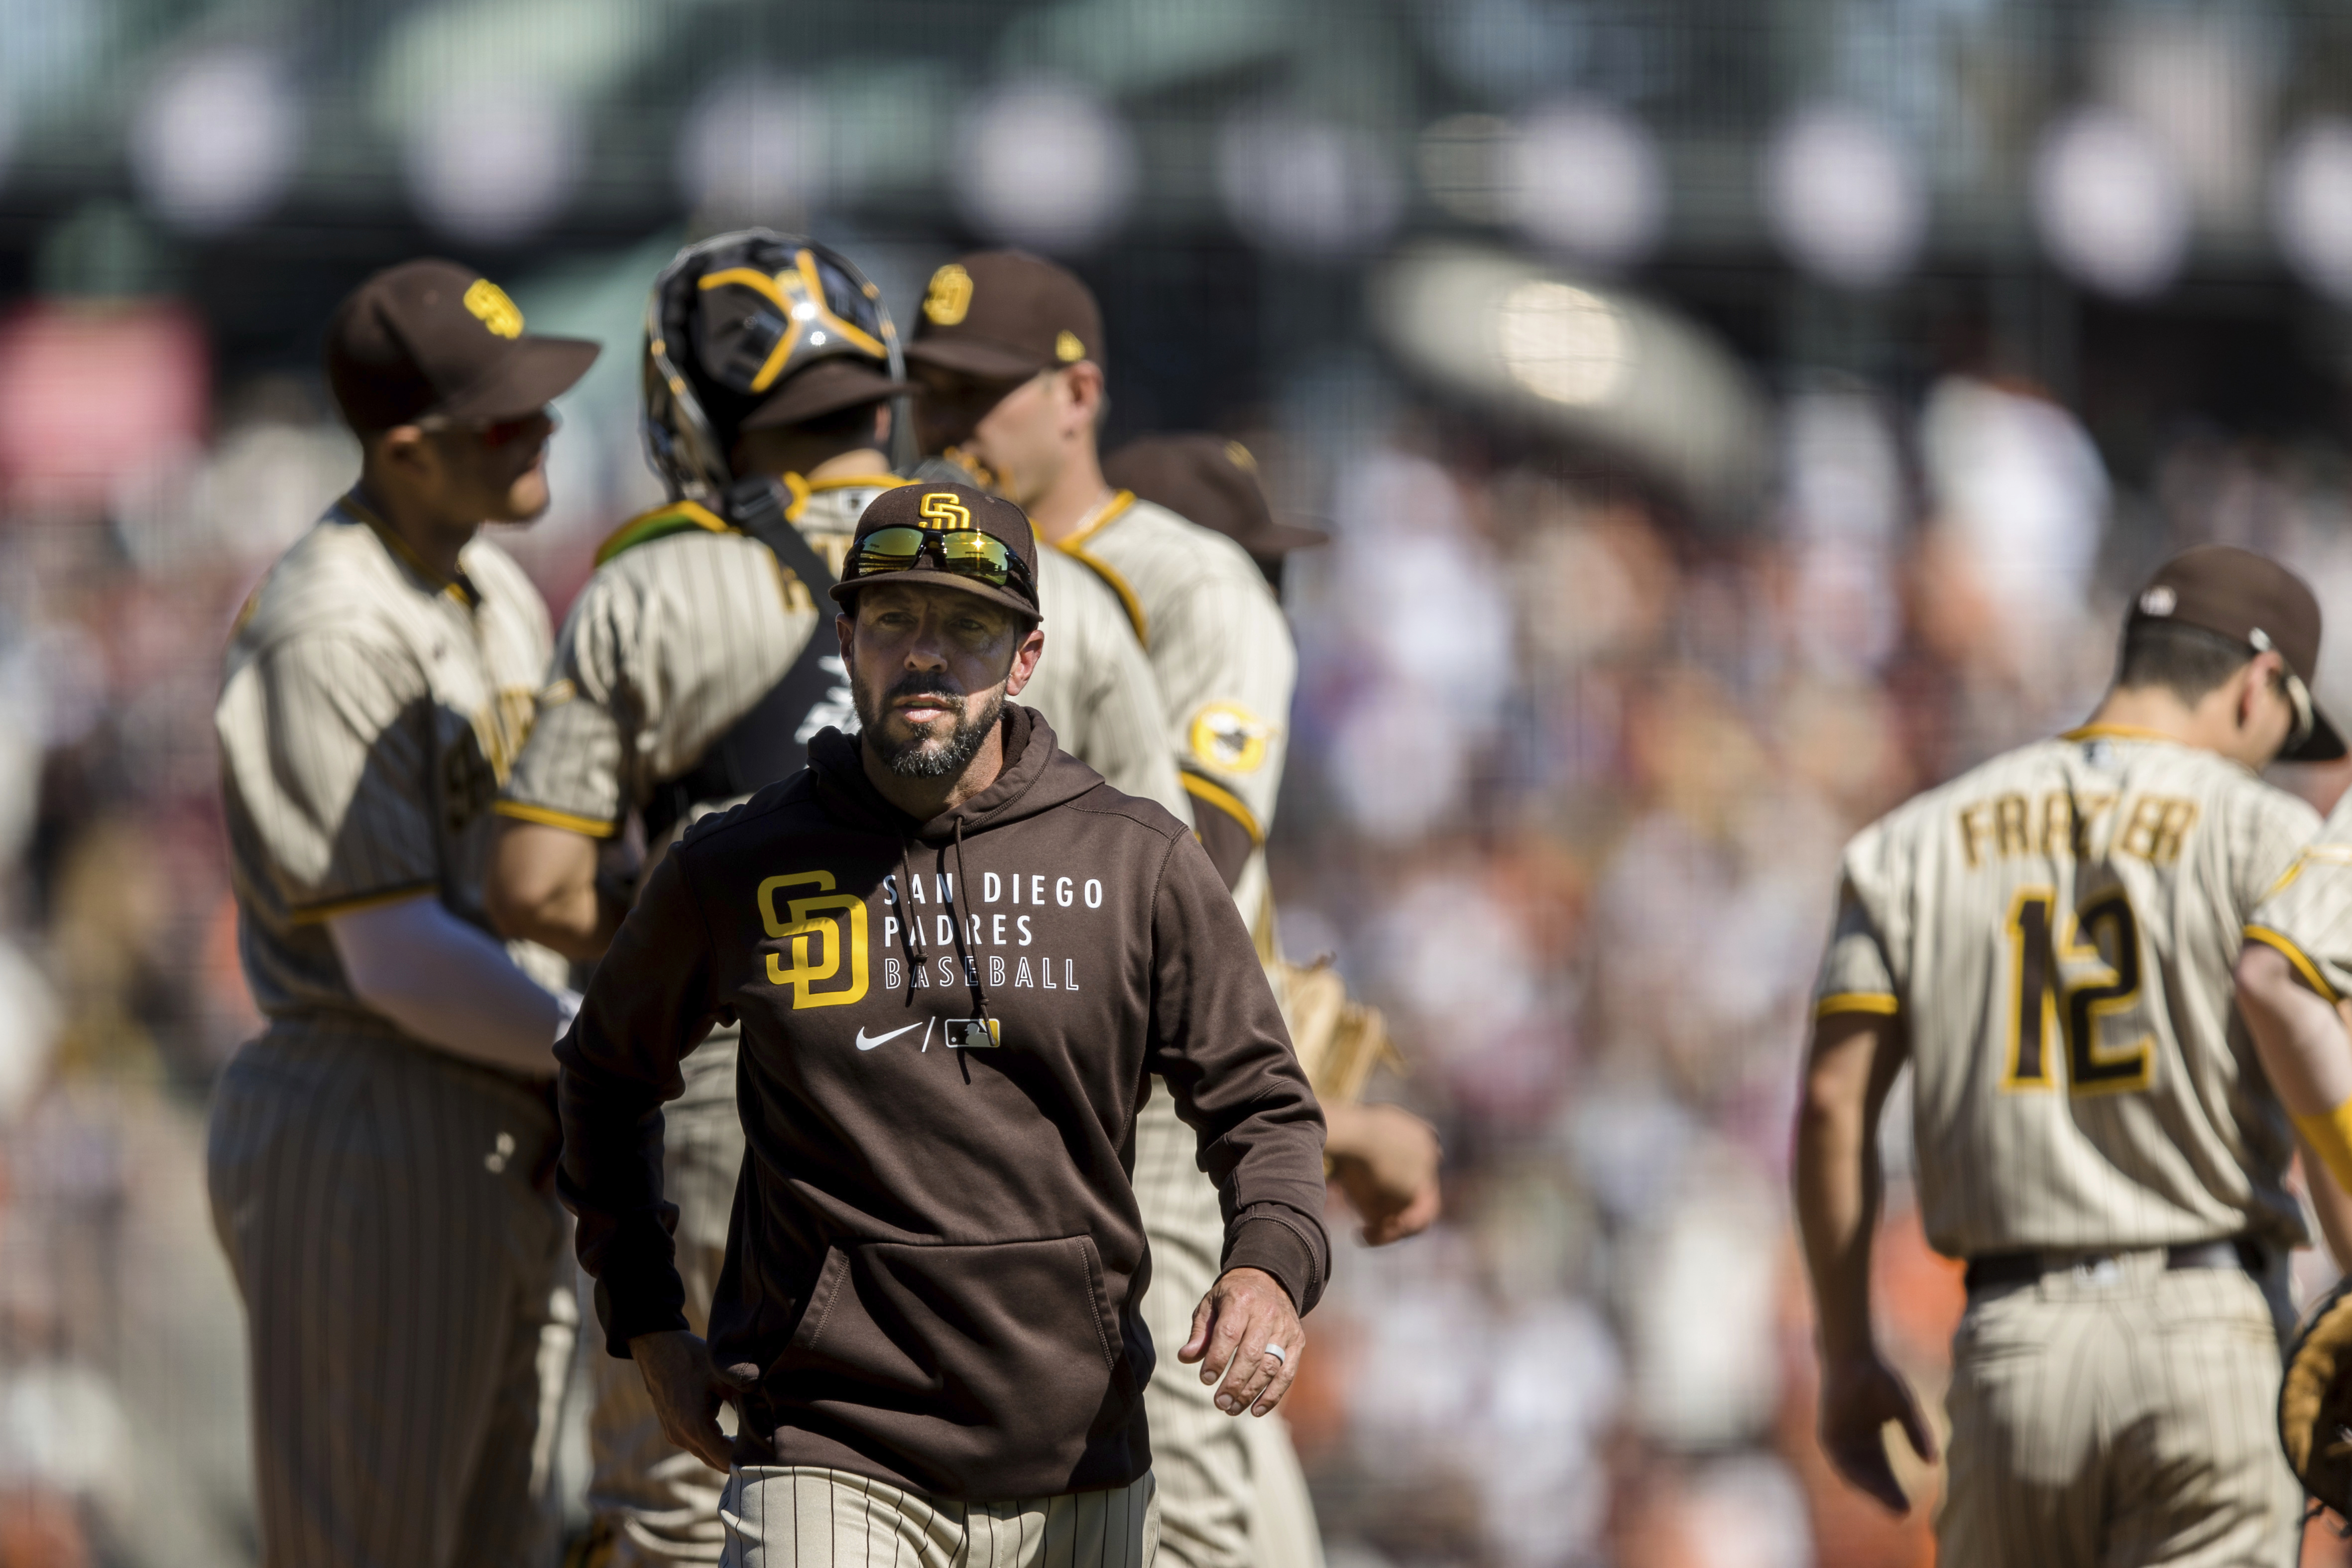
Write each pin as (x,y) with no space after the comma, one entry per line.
(430,338)
(2251,599)
(1001,315)
(944,511)
(1213,483)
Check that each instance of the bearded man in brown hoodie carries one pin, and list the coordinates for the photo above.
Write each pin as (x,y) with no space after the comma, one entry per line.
(958,958)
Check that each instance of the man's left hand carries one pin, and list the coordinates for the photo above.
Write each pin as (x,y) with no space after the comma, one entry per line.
(1243,1315)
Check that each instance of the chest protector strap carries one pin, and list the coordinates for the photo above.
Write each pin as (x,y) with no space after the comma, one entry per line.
(770,742)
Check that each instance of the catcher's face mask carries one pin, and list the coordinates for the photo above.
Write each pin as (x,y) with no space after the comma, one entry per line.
(729,325)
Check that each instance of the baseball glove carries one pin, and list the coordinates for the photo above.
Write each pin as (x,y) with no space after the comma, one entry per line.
(2315,1412)
(1339,1041)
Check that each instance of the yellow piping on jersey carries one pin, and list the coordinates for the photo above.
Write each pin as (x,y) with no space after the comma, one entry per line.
(456,587)
(2119,732)
(2320,855)
(2330,1134)
(2294,955)
(1225,800)
(1876,1002)
(1102,569)
(660,523)
(802,490)
(310,914)
(853,481)
(547,816)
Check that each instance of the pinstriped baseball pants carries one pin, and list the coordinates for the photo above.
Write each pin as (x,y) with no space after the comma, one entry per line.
(407,1298)
(2118,1416)
(1230,1494)
(803,1516)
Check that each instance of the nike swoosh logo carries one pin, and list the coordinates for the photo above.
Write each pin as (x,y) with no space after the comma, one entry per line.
(866,1044)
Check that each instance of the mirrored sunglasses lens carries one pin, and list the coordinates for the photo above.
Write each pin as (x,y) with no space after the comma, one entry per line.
(888,550)
(972,554)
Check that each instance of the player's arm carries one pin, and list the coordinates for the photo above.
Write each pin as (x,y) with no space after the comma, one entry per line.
(542,887)
(1850,1066)
(448,984)
(1386,1160)
(2299,1037)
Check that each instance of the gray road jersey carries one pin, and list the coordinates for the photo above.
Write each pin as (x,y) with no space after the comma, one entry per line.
(368,713)
(2057,929)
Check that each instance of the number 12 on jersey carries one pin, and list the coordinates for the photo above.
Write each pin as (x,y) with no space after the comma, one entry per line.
(2100,953)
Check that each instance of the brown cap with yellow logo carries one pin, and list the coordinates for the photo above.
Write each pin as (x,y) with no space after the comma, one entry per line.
(430,338)
(1001,315)
(948,536)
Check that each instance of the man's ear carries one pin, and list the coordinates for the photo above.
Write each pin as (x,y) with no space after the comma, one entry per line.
(1082,393)
(2261,672)
(844,627)
(403,449)
(1024,661)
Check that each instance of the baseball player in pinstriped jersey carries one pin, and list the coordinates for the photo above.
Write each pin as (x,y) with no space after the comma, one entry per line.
(1010,350)
(689,623)
(381,1156)
(2048,941)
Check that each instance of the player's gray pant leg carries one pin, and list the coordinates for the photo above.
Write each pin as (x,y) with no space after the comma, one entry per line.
(2118,1416)
(385,1213)
(1200,1455)
(801,1516)
(658,1504)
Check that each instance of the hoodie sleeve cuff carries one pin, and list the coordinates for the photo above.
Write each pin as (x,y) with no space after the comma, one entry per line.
(1276,1247)
(649,1303)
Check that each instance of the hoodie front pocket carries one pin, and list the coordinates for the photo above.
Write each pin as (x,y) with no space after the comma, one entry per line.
(1012,1346)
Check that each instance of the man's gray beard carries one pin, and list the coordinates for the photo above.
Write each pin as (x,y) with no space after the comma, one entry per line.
(917,760)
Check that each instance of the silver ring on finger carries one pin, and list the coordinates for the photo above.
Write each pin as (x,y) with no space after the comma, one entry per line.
(1276,1353)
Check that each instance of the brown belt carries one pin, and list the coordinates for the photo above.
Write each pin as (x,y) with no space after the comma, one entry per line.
(1999,1268)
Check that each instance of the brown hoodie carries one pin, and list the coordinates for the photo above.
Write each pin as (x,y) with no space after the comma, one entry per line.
(935,1260)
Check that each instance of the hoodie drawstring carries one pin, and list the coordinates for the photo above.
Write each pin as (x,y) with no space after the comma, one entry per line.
(971,961)
(907,914)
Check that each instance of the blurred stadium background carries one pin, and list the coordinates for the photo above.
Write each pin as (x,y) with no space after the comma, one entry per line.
(1728,418)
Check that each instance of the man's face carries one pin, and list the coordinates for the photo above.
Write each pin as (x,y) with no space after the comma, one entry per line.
(1014,427)
(929,668)
(496,473)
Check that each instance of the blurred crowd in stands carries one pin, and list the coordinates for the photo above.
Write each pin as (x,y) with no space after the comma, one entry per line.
(1573,768)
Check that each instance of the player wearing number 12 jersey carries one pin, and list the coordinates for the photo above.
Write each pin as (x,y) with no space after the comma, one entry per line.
(2049,940)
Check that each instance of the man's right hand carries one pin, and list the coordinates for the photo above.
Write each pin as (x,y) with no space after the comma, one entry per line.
(1860,1394)
(688,1390)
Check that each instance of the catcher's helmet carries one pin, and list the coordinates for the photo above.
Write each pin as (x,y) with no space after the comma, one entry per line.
(753,329)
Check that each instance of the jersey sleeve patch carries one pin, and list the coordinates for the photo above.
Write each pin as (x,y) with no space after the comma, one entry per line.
(1229,737)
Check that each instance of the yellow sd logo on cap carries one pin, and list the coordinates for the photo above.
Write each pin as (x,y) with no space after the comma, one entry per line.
(493,309)
(941,509)
(950,296)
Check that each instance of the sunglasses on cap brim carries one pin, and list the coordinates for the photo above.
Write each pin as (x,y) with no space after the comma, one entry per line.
(959,552)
